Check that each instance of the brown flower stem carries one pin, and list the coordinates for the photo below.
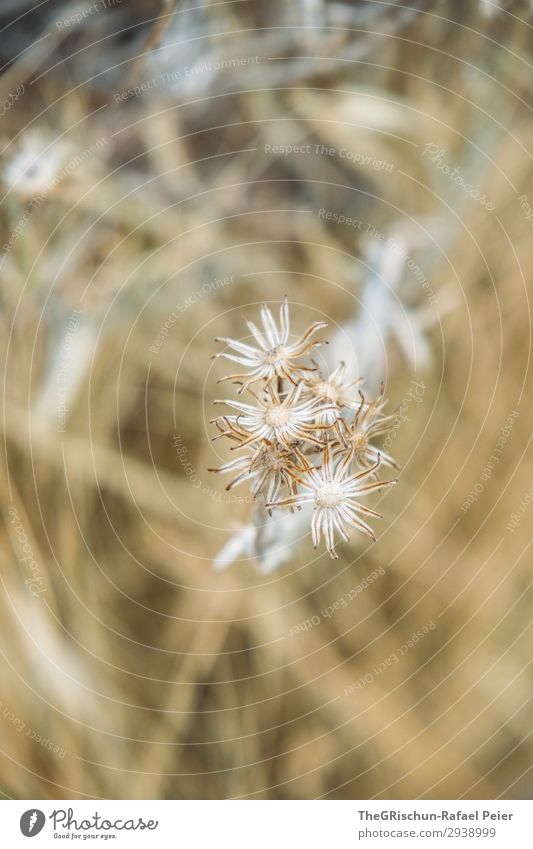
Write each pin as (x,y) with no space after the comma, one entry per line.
(260,518)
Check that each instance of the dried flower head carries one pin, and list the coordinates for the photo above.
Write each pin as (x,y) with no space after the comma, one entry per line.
(332,390)
(274,357)
(281,420)
(368,424)
(265,466)
(304,438)
(333,489)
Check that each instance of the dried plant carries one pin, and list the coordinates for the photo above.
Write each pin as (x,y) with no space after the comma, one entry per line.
(368,424)
(157,677)
(306,438)
(274,356)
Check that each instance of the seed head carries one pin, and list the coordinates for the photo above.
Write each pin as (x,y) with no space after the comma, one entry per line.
(368,424)
(274,357)
(302,437)
(334,492)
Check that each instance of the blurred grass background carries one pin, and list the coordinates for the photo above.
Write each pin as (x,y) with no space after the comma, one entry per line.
(134,669)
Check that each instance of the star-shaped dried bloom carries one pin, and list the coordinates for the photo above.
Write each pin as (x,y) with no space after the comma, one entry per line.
(280,420)
(369,423)
(333,490)
(333,390)
(266,467)
(274,357)
(36,165)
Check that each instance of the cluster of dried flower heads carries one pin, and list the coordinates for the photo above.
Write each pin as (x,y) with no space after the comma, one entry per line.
(304,437)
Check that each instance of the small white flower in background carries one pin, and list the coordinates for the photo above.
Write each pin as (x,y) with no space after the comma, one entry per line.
(307,439)
(34,167)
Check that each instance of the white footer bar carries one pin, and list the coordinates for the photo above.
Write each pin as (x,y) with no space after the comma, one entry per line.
(241,824)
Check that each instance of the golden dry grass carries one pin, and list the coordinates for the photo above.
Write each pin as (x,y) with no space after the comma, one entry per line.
(153,674)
